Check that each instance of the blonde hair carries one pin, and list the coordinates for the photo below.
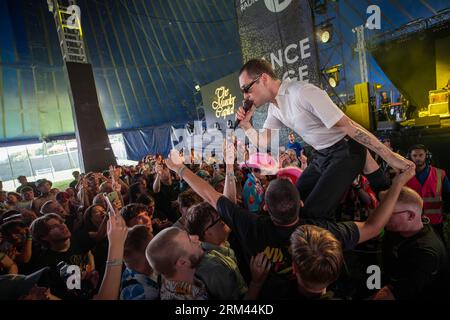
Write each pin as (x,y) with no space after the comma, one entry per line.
(317,255)
(411,198)
(163,251)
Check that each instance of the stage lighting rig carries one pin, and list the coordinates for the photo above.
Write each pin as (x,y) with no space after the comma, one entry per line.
(333,75)
(324,32)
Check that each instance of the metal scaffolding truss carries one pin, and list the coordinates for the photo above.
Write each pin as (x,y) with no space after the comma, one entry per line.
(70,38)
(439,20)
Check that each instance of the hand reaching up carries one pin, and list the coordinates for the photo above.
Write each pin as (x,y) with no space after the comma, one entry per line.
(175,161)
(229,152)
(403,177)
(259,268)
(117,231)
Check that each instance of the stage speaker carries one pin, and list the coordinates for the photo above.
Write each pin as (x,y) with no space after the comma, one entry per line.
(431,121)
(360,113)
(94,147)
(440,108)
(362,94)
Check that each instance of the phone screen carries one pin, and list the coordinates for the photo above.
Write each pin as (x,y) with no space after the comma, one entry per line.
(111,210)
(112,196)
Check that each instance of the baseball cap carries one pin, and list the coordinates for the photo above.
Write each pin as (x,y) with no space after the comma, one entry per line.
(14,286)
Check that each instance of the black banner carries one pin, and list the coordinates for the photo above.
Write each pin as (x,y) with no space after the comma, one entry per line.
(221,99)
(282,32)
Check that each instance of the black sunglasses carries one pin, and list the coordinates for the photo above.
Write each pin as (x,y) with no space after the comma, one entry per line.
(246,88)
(213,224)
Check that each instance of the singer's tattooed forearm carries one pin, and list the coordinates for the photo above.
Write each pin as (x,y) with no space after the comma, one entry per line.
(363,138)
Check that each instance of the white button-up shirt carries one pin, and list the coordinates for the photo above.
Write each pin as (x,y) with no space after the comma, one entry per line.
(307,110)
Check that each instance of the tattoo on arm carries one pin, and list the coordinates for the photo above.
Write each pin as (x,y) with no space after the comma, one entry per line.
(364,139)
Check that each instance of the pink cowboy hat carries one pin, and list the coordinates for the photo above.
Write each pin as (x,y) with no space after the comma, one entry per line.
(292,173)
(262,161)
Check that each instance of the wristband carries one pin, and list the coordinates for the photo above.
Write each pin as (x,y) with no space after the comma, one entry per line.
(230,175)
(114,263)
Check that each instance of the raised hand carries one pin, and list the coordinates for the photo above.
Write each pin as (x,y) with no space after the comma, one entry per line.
(117,230)
(259,268)
(229,152)
(403,177)
(175,161)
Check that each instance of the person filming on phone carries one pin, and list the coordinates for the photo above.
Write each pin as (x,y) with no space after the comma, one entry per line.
(340,144)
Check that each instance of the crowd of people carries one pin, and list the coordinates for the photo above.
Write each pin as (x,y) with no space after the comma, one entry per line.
(355,220)
(164,229)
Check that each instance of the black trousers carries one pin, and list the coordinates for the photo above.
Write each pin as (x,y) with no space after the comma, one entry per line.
(330,173)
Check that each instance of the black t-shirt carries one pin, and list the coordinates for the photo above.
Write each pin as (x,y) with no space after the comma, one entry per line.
(416,267)
(163,201)
(80,244)
(257,233)
(246,224)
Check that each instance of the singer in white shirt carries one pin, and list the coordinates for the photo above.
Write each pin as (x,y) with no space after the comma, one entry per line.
(339,143)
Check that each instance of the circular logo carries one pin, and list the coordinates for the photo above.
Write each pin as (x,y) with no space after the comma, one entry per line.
(277,5)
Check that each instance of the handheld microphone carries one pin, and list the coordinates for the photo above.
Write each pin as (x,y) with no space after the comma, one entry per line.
(247,106)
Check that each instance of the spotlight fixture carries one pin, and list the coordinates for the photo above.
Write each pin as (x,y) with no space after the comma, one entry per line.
(333,75)
(197,87)
(324,32)
(377,86)
(333,82)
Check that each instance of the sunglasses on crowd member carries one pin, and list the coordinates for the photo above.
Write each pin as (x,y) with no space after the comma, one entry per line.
(213,224)
(246,88)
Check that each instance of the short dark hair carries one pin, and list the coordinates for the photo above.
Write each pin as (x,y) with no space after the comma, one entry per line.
(256,67)
(198,218)
(317,254)
(26,189)
(418,147)
(188,198)
(283,201)
(145,199)
(21,177)
(132,210)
